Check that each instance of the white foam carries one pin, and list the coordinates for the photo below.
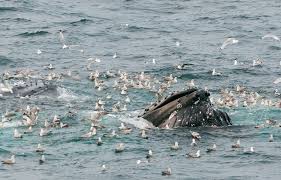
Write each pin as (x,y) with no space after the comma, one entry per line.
(66,94)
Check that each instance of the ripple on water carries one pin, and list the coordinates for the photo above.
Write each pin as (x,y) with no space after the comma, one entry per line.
(31,34)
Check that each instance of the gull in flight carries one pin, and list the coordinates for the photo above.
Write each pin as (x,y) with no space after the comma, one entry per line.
(62,40)
(271,36)
(229,41)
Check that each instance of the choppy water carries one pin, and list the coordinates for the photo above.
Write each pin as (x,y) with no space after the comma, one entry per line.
(140,31)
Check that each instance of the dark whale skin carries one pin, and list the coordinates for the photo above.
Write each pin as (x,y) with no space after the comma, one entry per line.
(32,87)
(189,108)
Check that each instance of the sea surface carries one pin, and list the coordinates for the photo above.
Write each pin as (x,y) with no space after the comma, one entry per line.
(172,33)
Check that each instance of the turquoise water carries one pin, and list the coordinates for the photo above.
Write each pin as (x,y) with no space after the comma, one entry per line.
(140,31)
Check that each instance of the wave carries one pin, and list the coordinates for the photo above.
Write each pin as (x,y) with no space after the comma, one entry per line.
(2,9)
(81,21)
(36,33)
(11,124)
(132,119)
(274,48)
(4,60)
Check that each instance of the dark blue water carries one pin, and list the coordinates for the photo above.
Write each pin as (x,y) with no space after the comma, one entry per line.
(140,31)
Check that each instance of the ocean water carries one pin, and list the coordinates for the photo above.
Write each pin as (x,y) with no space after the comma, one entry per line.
(140,31)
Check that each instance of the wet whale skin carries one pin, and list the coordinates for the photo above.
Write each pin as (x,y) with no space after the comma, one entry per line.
(189,108)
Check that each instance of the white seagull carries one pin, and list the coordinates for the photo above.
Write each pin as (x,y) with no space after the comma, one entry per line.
(229,41)
(271,36)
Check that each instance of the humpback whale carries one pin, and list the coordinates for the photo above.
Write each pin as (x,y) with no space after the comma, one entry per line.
(189,108)
(22,88)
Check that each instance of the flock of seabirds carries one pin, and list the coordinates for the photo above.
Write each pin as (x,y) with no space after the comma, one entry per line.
(13,81)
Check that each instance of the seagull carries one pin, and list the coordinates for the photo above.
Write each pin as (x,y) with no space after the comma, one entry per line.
(197,155)
(167,172)
(181,66)
(235,63)
(271,36)
(214,148)
(39,51)
(122,126)
(42,160)
(195,135)
(191,84)
(214,73)
(278,80)
(50,67)
(113,134)
(193,142)
(153,61)
(93,131)
(229,41)
(175,146)
(43,132)
(143,134)
(237,145)
(29,130)
(99,141)
(10,161)
(271,138)
(103,168)
(17,134)
(127,100)
(177,43)
(257,62)
(149,155)
(62,40)
(114,56)
(63,125)
(124,108)
(119,148)
(249,151)
(39,148)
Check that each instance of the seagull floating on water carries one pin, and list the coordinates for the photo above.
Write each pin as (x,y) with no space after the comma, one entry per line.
(271,36)
(39,148)
(175,146)
(214,73)
(195,135)
(114,56)
(271,139)
(167,172)
(149,155)
(17,134)
(99,141)
(39,51)
(214,148)
(42,160)
(143,134)
(119,148)
(197,155)
(237,145)
(193,143)
(10,161)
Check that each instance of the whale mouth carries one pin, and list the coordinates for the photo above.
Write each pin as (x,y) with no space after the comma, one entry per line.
(191,107)
(171,98)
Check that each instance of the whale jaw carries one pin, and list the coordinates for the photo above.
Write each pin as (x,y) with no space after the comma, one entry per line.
(189,108)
